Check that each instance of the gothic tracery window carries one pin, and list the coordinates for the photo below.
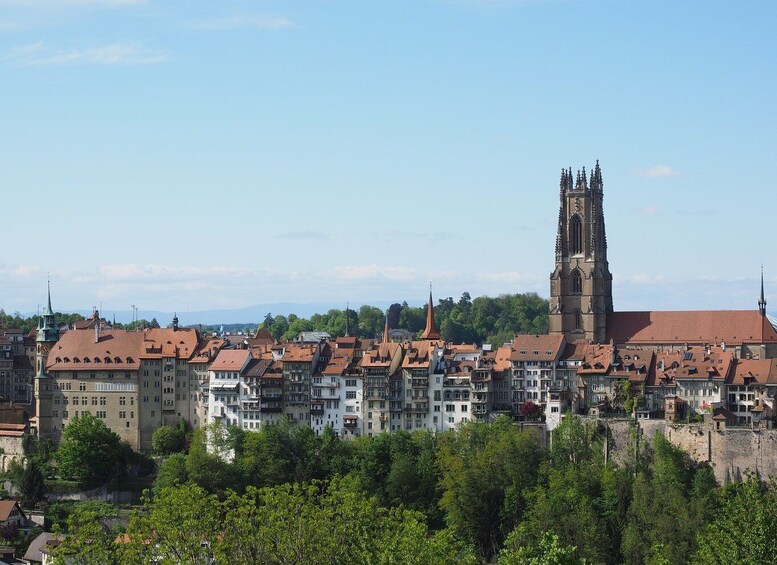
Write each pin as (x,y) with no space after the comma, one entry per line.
(576,235)
(578,320)
(577,282)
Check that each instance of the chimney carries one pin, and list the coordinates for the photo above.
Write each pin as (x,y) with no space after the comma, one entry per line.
(97,332)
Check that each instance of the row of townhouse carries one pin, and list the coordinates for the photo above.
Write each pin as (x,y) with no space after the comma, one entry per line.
(364,387)
(17,356)
(137,381)
(679,382)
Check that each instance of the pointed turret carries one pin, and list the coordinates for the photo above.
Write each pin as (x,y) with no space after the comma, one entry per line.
(386,330)
(49,311)
(48,331)
(564,185)
(762,300)
(431,331)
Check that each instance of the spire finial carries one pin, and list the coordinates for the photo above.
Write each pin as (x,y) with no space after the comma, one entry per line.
(762,300)
(431,331)
(386,329)
(49,311)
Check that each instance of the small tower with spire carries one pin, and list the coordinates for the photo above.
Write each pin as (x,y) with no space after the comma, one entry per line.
(47,335)
(386,336)
(431,332)
(762,300)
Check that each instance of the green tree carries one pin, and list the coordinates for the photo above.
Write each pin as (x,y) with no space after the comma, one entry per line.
(548,551)
(180,525)
(171,472)
(32,486)
(166,440)
(89,451)
(744,528)
(485,469)
(327,523)
(660,526)
(371,321)
(208,470)
(88,539)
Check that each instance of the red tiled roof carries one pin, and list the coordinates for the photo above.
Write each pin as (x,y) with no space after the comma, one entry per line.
(756,371)
(695,326)
(300,353)
(6,506)
(502,359)
(536,347)
(76,346)
(418,354)
(167,342)
(230,360)
(380,355)
(597,360)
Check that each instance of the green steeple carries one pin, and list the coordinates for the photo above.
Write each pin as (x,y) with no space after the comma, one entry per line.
(48,332)
(49,311)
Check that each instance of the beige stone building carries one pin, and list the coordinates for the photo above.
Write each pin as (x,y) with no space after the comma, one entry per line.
(136,381)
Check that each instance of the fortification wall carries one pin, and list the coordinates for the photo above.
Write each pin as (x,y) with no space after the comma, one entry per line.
(731,453)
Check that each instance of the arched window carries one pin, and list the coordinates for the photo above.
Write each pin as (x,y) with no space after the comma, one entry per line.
(576,235)
(577,282)
(578,320)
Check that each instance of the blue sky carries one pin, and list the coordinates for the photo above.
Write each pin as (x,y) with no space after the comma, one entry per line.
(198,155)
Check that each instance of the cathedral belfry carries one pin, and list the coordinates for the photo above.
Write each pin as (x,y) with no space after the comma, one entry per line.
(581,283)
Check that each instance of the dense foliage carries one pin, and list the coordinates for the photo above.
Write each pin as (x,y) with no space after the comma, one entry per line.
(485,493)
(480,320)
(19,322)
(91,453)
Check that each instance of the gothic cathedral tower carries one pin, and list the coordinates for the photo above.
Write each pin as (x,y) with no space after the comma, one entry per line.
(581,284)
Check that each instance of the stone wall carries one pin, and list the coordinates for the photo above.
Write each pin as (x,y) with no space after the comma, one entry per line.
(10,449)
(731,453)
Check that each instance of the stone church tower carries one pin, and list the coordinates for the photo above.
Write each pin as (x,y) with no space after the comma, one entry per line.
(581,284)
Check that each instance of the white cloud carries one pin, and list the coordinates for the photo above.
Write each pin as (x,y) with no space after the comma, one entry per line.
(657,171)
(315,235)
(242,22)
(354,273)
(39,54)
(509,277)
(650,210)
